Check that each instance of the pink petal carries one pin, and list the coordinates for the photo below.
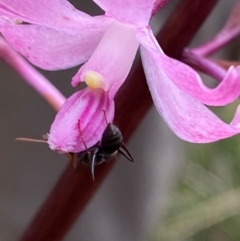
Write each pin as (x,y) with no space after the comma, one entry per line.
(112,59)
(136,12)
(51,49)
(226,92)
(49,13)
(187,117)
(189,81)
(82,113)
(57,14)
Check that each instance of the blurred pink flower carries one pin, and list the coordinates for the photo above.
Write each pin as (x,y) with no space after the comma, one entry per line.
(58,36)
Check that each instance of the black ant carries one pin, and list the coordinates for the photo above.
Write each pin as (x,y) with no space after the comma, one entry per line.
(109,146)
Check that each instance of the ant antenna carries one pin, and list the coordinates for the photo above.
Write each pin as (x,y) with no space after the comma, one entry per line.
(81,134)
(45,136)
(88,152)
(30,140)
(73,159)
(105,117)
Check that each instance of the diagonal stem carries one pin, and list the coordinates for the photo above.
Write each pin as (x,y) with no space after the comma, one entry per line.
(74,189)
(223,38)
(182,25)
(29,74)
(229,32)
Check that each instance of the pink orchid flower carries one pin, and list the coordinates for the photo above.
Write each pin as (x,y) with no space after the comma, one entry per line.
(58,36)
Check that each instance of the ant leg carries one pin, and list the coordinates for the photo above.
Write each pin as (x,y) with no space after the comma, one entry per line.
(80,131)
(124,151)
(93,161)
(73,159)
(105,117)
